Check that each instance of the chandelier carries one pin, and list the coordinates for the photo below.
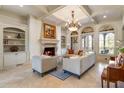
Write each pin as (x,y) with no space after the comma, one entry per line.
(72,25)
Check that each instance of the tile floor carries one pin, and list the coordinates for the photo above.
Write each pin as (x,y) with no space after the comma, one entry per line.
(23,77)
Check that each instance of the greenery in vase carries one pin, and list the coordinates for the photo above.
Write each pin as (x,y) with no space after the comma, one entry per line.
(121,50)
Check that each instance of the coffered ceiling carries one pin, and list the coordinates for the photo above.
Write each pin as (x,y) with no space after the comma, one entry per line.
(65,13)
(59,14)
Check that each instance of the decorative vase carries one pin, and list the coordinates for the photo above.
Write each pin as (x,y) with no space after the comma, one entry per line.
(19,36)
(14,49)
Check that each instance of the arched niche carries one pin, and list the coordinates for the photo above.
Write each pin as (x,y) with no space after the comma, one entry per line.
(87,30)
(13,28)
(106,27)
(13,39)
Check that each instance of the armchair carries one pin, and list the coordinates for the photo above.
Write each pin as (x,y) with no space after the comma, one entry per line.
(43,64)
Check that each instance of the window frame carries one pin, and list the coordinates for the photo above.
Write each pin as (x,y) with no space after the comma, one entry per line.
(103,32)
(85,35)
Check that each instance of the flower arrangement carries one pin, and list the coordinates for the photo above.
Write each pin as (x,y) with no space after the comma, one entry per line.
(120,58)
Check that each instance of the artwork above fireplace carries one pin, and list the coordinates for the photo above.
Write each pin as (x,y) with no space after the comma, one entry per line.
(49,31)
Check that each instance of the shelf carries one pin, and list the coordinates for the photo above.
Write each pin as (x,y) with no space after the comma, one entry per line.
(16,32)
(10,39)
(14,44)
(13,39)
(16,52)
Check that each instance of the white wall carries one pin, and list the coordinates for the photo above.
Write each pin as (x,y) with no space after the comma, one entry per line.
(1,47)
(64,33)
(123,29)
(34,36)
(58,37)
(11,18)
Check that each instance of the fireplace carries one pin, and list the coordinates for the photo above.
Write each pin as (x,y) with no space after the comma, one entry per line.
(50,51)
(49,46)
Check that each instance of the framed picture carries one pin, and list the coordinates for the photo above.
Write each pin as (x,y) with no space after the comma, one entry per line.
(49,31)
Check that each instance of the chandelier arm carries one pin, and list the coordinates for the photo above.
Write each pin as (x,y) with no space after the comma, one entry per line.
(73,26)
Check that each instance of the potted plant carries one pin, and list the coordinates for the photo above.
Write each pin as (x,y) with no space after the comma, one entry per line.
(121,51)
(121,56)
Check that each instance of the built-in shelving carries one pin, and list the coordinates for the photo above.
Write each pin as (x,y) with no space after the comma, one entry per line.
(11,31)
(13,40)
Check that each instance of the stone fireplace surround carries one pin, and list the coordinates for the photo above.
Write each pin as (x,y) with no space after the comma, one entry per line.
(48,43)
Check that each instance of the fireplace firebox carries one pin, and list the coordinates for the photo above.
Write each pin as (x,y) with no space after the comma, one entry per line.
(50,51)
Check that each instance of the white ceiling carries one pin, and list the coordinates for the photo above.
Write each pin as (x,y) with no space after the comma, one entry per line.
(53,19)
(66,13)
(113,12)
(58,14)
(25,10)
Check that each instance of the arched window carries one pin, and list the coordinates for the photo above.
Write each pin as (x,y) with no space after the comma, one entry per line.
(106,40)
(74,40)
(87,38)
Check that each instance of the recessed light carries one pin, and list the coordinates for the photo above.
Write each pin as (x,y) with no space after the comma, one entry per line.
(21,5)
(104,16)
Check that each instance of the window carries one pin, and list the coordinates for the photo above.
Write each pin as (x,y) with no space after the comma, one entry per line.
(87,42)
(106,43)
(74,40)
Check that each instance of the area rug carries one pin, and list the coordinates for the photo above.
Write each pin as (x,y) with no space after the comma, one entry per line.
(60,74)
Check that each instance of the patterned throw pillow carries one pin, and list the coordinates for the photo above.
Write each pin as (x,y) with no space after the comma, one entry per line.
(80,52)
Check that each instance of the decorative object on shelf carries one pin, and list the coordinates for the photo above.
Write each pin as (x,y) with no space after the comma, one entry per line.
(72,25)
(5,41)
(18,35)
(14,48)
(8,36)
(49,31)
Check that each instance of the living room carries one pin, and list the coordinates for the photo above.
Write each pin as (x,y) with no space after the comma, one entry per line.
(61,46)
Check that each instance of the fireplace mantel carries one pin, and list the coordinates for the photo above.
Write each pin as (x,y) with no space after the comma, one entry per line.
(48,41)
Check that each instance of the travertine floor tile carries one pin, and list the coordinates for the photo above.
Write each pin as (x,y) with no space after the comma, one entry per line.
(23,76)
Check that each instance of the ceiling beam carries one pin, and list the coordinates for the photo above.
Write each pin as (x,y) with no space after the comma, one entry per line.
(88,12)
(53,11)
(41,8)
(87,9)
